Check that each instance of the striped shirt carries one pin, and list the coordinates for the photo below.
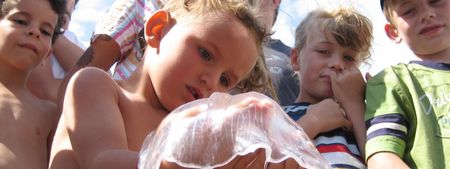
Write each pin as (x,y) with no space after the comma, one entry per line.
(338,147)
(123,22)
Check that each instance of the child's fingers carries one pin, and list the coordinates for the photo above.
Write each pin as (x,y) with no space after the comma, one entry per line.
(286,164)
(193,111)
(348,126)
(169,165)
(258,162)
(249,161)
(333,77)
(291,163)
(246,102)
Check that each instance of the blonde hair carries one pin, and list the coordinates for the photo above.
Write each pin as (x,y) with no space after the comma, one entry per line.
(192,11)
(350,29)
(387,11)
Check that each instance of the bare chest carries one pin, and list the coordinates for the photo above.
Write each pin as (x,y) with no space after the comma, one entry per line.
(25,128)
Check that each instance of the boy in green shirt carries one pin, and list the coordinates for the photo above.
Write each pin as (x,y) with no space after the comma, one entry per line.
(407,112)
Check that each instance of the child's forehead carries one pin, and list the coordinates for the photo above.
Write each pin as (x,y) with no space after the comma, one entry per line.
(29,5)
(216,17)
(395,3)
(322,38)
(326,38)
(38,9)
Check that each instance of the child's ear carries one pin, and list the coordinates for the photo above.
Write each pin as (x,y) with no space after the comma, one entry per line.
(392,33)
(294,60)
(154,27)
(277,2)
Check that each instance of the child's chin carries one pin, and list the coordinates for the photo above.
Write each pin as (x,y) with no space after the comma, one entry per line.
(328,93)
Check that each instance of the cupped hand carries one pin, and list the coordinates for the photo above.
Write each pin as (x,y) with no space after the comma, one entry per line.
(328,115)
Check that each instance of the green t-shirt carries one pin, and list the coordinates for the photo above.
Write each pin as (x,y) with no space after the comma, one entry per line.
(408,113)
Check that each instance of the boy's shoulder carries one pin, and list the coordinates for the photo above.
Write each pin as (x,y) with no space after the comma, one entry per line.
(91,86)
(410,77)
(416,69)
(91,76)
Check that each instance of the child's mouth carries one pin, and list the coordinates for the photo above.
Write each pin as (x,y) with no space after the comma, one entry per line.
(194,92)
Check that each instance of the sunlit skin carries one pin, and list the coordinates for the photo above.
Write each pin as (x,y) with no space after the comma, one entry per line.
(26,122)
(26,35)
(331,81)
(208,59)
(183,62)
(424,25)
(321,56)
(42,82)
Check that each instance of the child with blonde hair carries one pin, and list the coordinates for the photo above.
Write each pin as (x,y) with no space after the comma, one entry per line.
(194,48)
(408,104)
(329,48)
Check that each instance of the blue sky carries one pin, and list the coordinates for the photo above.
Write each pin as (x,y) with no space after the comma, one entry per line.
(384,52)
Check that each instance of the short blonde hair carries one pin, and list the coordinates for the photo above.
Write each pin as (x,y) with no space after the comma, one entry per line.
(350,29)
(388,11)
(192,11)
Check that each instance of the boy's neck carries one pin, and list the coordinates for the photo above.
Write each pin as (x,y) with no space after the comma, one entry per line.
(139,84)
(12,78)
(439,57)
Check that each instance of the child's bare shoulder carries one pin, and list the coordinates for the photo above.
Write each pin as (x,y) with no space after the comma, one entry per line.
(90,78)
(93,84)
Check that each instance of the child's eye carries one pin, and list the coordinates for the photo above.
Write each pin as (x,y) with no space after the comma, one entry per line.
(46,32)
(325,52)
(408,12)
(205,54)
(349,58)
(224,81)
(20,21)
(434,1)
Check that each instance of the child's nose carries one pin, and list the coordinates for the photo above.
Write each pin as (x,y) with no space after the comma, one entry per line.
(427,13)
(336,64)
(209,81)
(33,31)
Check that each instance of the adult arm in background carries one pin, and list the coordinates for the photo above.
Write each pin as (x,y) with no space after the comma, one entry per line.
(111,40)
(67,52)
(103,53)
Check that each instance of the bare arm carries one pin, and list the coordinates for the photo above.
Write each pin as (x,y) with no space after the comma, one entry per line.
(383,160)
(349,89)
(66,52)
(102,53)
(94,122)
